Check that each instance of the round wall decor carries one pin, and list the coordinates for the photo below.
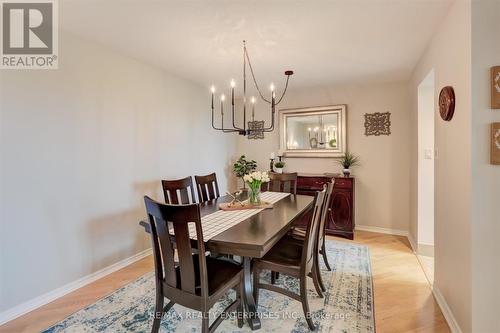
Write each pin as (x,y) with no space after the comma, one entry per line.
(447,103)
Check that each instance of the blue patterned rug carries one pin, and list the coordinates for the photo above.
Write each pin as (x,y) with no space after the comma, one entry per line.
(347,306)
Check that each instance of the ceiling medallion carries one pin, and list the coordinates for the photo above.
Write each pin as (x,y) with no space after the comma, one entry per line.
(255,129)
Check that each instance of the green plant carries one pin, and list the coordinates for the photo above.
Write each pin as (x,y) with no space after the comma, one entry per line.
(279,164)
(243,167)
(348,160)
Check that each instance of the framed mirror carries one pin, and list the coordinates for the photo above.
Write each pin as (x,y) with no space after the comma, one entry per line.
(314,131)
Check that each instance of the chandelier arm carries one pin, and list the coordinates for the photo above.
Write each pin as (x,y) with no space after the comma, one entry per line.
(234,123)
(271,128)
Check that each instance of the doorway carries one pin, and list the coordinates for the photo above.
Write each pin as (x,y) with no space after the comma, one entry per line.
(426,154)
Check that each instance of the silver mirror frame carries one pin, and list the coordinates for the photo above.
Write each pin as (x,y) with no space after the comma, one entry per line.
(340,110)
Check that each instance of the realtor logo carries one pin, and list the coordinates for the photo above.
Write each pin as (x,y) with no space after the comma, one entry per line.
(29,34)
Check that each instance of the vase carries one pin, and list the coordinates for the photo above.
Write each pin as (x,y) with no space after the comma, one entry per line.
(254,195)
(346,172)
(278,170)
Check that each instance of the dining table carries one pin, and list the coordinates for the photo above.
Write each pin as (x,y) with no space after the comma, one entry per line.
(252,237)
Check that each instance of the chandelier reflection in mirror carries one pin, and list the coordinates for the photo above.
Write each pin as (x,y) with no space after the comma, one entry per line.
(253,128)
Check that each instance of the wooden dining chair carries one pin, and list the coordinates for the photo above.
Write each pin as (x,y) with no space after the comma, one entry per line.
(207,186)
(320,243)
(282,182)
(183,186)
(296,259)
(196,281)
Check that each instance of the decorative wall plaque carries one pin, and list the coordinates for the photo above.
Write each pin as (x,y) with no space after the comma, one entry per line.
(495,87)
(255,130)
(495,143)
(447,103)
(378,123)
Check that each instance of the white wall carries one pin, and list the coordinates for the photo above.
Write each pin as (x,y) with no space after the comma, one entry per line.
(449,53)
(426,112)
(382,181)
(80,146)
(486,187)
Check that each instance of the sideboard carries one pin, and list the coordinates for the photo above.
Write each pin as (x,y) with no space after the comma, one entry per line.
(340,218)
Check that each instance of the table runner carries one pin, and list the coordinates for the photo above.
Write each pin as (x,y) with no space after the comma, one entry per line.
(215,223)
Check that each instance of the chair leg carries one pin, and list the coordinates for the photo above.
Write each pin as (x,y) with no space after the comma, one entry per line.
(320,279)
(158,314)
(325,259)
(273,277)
(315,278)
(205,323)
(305,303)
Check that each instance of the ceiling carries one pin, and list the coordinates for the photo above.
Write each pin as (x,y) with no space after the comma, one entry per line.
(324,42)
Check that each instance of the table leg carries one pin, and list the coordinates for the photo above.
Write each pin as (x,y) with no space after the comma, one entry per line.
(253,317)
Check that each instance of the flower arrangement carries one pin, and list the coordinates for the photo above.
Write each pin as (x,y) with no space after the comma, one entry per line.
(255,181)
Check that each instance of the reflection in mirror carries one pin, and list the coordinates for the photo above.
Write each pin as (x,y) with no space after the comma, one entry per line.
(312,132)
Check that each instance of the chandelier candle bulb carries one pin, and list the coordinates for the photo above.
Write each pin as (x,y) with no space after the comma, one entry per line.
(272,156)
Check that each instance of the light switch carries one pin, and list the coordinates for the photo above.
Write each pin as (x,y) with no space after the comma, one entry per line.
(428,154)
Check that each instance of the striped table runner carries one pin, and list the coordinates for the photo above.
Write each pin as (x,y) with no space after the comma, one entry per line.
(215,223)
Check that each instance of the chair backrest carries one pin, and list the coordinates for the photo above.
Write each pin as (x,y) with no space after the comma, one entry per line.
(325,211)
(183,186)
(177,218)
(208,188)
(283,182)
(309,248)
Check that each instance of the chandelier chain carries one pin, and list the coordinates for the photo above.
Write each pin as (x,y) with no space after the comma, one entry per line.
(255,80)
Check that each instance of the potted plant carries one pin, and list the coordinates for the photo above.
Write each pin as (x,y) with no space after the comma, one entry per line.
(278,166)
(347,161)
(243,167)
(255,181)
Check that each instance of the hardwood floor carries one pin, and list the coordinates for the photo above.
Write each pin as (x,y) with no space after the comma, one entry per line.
(403,298)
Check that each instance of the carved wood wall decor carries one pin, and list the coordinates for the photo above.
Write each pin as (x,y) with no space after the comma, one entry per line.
(378,123)
(495,87)
(255,130)
(495,144)
(447,103)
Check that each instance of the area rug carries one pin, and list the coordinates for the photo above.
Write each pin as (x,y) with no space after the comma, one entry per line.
(347,305)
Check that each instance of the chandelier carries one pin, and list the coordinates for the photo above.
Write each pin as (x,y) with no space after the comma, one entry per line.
(253,127)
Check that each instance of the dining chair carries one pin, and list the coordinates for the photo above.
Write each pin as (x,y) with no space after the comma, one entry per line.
(300,234)
(208,188)
(295,259)
(283,182)
(196,282)
(185,188)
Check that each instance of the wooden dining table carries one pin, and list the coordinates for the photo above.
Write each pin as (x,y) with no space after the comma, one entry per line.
(253,237)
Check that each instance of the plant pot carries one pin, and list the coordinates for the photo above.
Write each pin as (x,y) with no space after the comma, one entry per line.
(346,172)
(278,170)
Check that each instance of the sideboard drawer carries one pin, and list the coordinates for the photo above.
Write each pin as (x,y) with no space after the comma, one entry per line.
(312,183)
(343,182)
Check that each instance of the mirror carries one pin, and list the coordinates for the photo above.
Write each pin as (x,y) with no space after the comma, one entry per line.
(313,132)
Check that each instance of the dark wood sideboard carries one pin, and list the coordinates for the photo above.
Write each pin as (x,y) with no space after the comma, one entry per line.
(340,219)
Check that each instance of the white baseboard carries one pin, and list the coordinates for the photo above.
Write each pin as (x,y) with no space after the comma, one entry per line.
(413,244)
(41,300)
(382,230)
(445,309)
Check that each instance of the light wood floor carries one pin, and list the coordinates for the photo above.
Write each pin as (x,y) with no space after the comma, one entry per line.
(403,298)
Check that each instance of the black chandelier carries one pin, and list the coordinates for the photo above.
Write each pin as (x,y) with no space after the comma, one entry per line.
(250,128)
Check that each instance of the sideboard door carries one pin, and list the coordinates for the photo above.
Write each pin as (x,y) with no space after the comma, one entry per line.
(340,220)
